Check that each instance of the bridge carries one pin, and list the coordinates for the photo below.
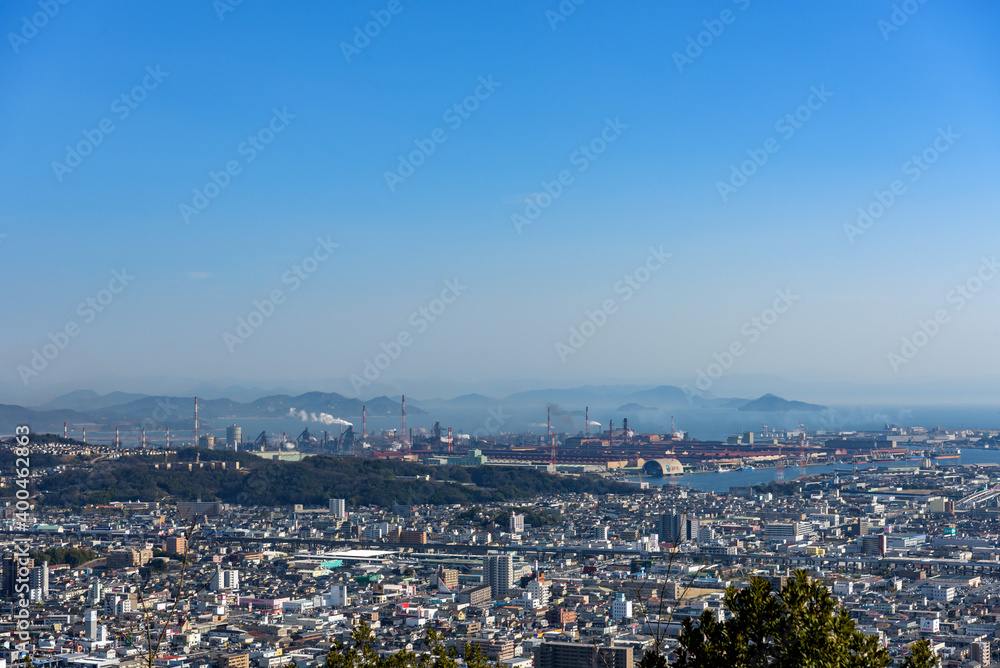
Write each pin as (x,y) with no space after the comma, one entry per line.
(976,498)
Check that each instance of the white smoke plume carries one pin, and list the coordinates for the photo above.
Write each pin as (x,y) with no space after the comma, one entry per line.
(595,423)
(324,418)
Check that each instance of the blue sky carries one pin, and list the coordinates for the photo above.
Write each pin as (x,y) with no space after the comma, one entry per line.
(656,184)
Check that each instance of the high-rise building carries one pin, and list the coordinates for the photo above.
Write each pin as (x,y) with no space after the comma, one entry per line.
(539,591)
(498,573)
(600,532)
(516,524)
(94,631)
(8,573)
(116,604)
(582,655)
(338,508)
(176,544)
(96,594)
(223,580)
(337,597)
(874,544)
(621,608)
(980,651)
(691,528)
(672,528)
(38,582)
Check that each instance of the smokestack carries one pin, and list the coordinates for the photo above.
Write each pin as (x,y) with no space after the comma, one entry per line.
(196,422)
(402,423)
(364,421)
(117,442)
(451,442)
(611,430)
(548,421)
(625,429)
(143,438)
(168,438)
(84,434)
(64,430)
(586,420)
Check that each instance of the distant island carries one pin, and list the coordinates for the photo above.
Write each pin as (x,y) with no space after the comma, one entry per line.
(635,407)
(770,403)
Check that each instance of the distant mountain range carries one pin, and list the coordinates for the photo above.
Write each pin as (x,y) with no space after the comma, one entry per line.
(120,408)
(565,406)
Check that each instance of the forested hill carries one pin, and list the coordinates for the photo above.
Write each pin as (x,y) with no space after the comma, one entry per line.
(310,482)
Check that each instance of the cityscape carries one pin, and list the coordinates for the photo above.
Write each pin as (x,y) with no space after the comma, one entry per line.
(558,334)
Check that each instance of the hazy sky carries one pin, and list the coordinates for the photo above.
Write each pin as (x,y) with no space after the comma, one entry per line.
(622,123)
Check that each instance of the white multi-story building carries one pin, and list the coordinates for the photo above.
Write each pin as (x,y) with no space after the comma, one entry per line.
(621,608)
(337,598)
(378,531)
(38,582)
(94,632)
(789,531)
(117,604)
(96,594)
(338,508)
(516,524)
(539,591)
(225,580)
(938,593)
